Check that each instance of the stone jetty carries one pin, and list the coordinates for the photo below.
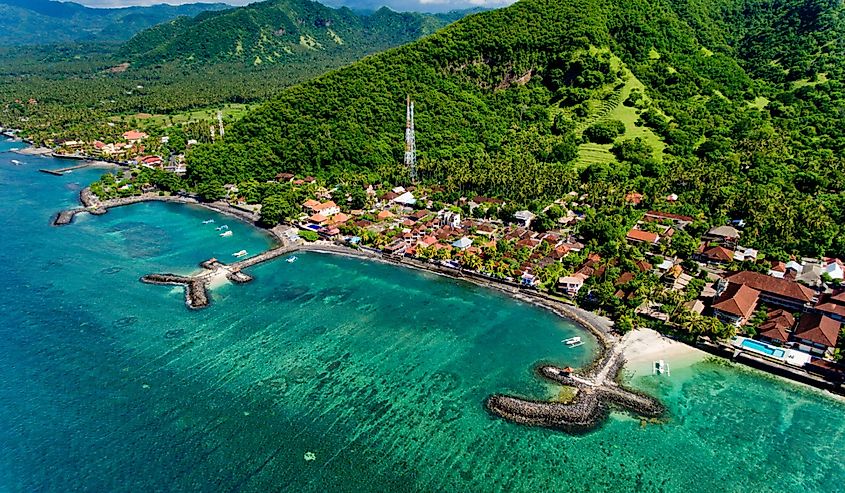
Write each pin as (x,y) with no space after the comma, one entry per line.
(196,290)
(93,205)
(60,172)
(196,286)
(597,392)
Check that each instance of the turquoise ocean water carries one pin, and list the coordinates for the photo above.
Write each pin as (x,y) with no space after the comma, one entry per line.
(107,384)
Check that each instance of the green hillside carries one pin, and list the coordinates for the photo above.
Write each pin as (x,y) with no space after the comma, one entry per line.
(543,97)
(277,31)
(41,22)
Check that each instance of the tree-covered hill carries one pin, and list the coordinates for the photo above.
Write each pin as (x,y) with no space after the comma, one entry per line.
(736,106)
(24,22)
(277,31)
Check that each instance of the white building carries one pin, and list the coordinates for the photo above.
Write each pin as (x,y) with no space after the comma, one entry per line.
(524,218)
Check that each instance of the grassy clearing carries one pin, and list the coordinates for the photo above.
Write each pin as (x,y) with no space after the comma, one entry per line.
(614,109)
(821,79)
(591,153)
(230,112)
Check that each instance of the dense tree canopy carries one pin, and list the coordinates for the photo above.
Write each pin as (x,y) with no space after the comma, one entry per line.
(503,99)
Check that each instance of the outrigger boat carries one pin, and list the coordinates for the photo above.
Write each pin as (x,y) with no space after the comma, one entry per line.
(16,162)
(210,221)
(222,228)
(573,342)
(242,253)
(226,234)
(291,260)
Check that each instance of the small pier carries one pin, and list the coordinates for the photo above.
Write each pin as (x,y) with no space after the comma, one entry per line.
(61,171)
(597,392)
(196,286)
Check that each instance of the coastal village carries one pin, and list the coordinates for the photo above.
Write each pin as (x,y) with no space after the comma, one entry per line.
(786,313)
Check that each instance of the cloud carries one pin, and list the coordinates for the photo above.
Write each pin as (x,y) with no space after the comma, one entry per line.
(401,5)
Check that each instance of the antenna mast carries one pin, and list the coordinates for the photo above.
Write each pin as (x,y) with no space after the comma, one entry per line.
(410,141)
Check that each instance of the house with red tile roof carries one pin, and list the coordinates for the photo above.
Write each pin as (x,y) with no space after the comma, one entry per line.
(736,304)
(640,236)
(326,208)
(716,255)
(833,306)
(773,291)
(134,136)
(817,334)
(318,219)
(570,285)
(776,327)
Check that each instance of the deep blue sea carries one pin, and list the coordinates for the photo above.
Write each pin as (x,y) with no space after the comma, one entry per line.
(376,373)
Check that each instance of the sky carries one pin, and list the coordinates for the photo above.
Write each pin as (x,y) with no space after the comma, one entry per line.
(401,5)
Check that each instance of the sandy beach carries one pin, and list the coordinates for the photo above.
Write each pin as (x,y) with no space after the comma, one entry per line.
(642,347)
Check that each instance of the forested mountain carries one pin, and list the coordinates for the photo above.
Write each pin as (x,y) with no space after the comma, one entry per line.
(24,22)
(278,31)
(735,106)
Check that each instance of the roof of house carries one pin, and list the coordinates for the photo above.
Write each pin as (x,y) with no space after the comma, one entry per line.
(640,235)
(831,308)
(310,203)
(576,278)
(719,253)
(625,278)
(737,299)
(668,215)
(781,318)
(839,297)
(134,135)
(340,218)
(643,266)
(462,243)
(317,218)
(818,328)
(724,232)
(772,285)
(774,332)
(384,214)
(325,205)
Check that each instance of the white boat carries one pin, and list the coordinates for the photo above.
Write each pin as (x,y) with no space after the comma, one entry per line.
(16,162)
(660,367)
(240,254)
(572,340)
(208,222)
(291,260)
(226,234)
(222,228)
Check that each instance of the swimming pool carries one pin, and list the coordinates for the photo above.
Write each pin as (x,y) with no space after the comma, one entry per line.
(763,348)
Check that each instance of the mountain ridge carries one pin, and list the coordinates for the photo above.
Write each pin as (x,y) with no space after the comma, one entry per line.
(275,30)
(40,22)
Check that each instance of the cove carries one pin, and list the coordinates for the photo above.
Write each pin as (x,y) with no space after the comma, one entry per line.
(112,385)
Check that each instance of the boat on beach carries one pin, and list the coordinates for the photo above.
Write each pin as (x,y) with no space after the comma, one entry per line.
(242,253)
(226,234)
(660,367)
